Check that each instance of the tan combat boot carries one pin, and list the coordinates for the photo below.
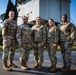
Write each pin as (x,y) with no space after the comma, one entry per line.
(53,69)
(40,66)
(5,67)
(23,66)
(11,64)
(65,69)
(50,67)
(36,65)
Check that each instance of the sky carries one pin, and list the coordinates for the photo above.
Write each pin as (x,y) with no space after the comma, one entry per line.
(73,11)
(3,5)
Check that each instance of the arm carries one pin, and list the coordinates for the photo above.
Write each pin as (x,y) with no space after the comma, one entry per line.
(72,34)
(4,29)
(43,36)
(32,37)
(56,37)
(18,36)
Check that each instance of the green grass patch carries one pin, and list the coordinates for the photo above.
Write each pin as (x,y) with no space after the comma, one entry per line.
(73,48)
(17,49)
(1,49)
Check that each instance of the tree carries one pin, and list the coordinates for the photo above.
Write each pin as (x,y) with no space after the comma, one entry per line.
(2,16)
(11,6)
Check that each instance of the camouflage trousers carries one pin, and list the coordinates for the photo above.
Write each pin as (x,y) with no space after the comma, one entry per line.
(24,53)
(38,53)
(52,53)
(66,53)
(8,49)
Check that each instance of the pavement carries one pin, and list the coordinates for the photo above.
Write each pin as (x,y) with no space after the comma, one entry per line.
(43,71)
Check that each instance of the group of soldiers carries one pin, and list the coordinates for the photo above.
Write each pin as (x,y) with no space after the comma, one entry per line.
(35,38)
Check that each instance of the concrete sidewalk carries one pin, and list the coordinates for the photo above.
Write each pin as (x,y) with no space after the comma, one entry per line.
(44,71)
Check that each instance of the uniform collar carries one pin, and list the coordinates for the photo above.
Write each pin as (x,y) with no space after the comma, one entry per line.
(51,26)
(38,25)
(25,24)
(10,19)
(63,23)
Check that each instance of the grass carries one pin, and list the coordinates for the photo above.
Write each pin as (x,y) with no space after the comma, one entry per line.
(1,49)
(74,48)
(17,50)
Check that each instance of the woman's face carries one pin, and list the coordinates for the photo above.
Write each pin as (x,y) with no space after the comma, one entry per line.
(50,22)
(38,20)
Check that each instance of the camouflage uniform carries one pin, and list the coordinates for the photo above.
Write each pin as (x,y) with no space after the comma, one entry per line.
(67,31)
(9,34)
(38,38)
(24,41)
(52,39)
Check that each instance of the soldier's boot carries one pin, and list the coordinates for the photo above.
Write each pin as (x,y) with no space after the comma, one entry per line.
(66,69)
(40,66)
(5,67)
(64,66)
(50,67)
(11,64)
(24,66)
(36,65)
(53,69)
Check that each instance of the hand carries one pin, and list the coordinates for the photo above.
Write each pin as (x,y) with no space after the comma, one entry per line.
(55,45)
(33,46)
(42,44)
(5,41)
(70,44)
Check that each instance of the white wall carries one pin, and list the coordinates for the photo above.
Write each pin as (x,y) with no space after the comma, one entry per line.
(50,9)
(46,9)
(31,8)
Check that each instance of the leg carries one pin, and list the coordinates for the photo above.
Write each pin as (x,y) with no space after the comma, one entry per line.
(6,47)
(49,54)
(67,57)
(53,58)
(62,47)
(27,51)
(11,54)
(22,58)
(36,55)
(40,55)
(25,57)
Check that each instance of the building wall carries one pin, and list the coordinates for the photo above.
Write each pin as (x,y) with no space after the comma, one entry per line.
(50,9)
(46,9)
(30,9)
(65,8)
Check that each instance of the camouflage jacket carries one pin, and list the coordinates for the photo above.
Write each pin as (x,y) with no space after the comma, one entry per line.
(23,34)
(9,29)
(53,35)
(67,32)
(38,33)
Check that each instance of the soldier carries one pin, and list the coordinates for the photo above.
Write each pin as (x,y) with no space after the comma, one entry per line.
(67,32)
(9,28)
(38,32)
(24,41)
(52,43)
